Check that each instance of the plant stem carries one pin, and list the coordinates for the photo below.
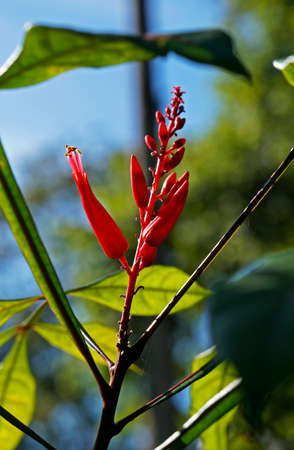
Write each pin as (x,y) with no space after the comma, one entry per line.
(200,373)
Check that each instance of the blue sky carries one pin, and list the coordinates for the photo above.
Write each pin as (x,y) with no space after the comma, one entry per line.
(77,107)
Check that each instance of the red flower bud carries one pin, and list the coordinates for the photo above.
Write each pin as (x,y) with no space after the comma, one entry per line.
(163,134)
(159,117)
(160,227)
(176,186)
(168,183)
(147,255)
(179,123)
(111,239)
(175,160)
(178,143)
(139,186)
(151,143)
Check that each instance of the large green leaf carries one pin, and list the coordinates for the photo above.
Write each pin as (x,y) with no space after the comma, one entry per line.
(253,323)
(286,66)
(57,336)
(24,428)
(215,437)
(26,234)
(50,51)
(105,337)
(6,335)
(213,410)
(210,47)
(17,391)
(9,308)
(160,284)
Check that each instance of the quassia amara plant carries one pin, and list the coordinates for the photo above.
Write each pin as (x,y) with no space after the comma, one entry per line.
(160,206)
(155,224)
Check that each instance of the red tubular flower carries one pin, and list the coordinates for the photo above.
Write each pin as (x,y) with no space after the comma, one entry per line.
(160,227)
(111,239)
(147,254)
(151,143)
(168,184)
(163,134)
(139,186)
(175,160)
(176,186)
(159,117)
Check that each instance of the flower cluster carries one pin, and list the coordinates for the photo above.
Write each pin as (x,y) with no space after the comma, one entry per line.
(156,223)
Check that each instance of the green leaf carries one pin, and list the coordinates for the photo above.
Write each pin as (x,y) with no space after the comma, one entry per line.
(213,410)
(209,46)
(160,284)
(24,428)
(9,308)
(49,51)
(26,235)
(216,435)
(6,335)
(253,323)
(17,391)
(286,66)
(58,337)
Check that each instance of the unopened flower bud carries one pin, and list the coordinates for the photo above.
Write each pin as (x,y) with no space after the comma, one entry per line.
(175,160)
(163,134)
(161,226)
(147,255)
(168,183)
(178,143)
(139,186)
(151,143)
(179,123)
(159,117)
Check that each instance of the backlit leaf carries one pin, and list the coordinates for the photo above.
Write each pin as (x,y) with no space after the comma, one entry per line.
(17,392)
(213,410)
(57,336)
(50,51)
(160,283)
(213,47)
(286,66)
(215,437)
(6,335)
(9,308)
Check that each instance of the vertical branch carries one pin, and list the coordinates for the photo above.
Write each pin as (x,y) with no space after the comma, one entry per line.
(147,101)
(148,105)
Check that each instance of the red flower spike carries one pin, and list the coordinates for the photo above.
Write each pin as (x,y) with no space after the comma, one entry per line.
(139,186)
(168,183)
(111,239)
(147,255)
(163,134)
(175,160)
(161,226)
(151,143)
(159,117)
